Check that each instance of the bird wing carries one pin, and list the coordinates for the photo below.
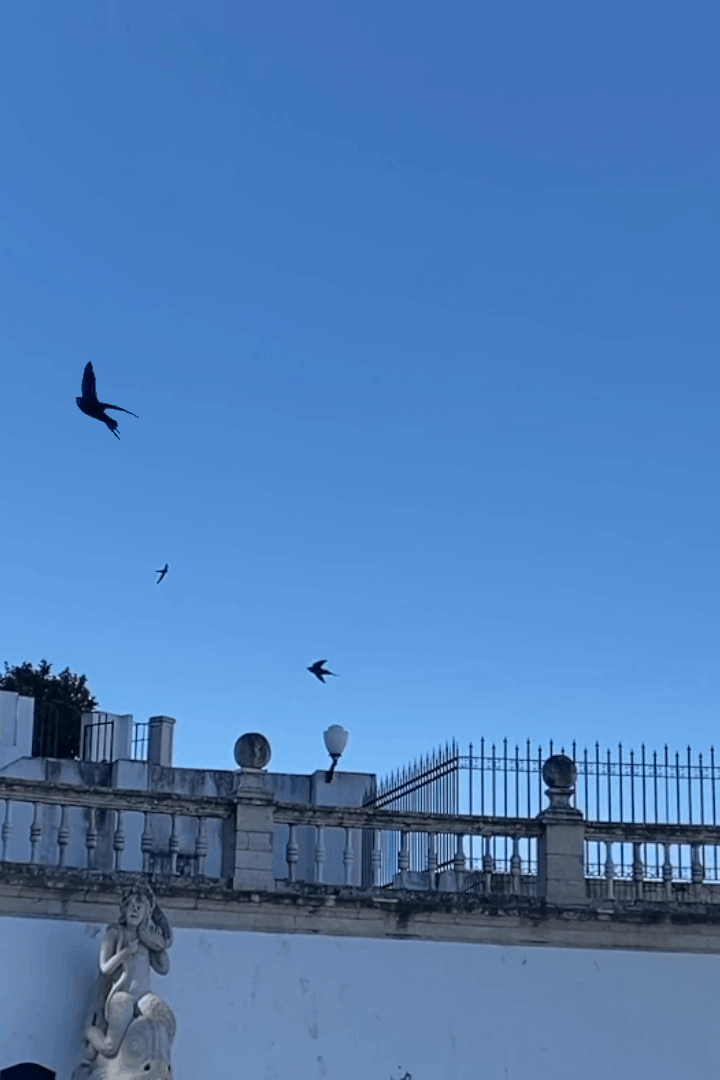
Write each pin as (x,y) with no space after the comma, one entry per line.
(104,405)
(320,663)
(88,382)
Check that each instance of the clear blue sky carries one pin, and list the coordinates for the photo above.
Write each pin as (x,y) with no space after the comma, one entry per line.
(418,307)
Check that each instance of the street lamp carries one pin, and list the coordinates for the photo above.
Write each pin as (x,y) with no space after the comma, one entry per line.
(336,738)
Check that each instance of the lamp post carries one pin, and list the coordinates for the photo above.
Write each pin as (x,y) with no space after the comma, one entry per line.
(336,738)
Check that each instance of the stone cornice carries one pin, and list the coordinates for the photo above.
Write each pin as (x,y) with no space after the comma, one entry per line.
(87,896)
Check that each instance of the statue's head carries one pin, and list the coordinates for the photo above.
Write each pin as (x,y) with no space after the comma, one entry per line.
(136,905)
(139,909)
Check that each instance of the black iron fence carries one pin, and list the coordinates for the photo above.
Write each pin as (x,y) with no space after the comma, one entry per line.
(648,787)
(58,733)
(98,739)
(430,786)
(501,780)
(56,730)
(638,786)
(140,741)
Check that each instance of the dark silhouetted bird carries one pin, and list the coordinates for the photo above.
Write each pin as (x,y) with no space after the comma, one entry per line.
(162,573)
(90,405)
(319,670)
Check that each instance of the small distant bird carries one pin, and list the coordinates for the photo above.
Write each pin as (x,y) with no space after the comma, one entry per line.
(90,405)
(162,573)
(319,670)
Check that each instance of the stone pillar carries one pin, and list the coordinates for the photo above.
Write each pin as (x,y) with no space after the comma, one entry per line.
(561,846)
(252,856)
(160,740)
(122,737)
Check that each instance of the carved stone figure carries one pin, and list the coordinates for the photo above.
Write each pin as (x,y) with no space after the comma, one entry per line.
(130,1029)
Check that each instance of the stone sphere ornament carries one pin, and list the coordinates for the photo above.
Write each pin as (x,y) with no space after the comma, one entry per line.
(252,751)
(559,773)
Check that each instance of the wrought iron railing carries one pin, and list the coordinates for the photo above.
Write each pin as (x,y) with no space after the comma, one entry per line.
(56,730)
(430,786)
(141,734)
(98,738)
(636,786)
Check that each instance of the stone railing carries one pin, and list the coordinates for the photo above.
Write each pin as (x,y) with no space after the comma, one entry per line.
(250,841)
(657,863)
(102,829)
(351,838)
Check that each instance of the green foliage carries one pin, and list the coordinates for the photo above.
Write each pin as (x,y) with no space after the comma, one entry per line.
(67,688)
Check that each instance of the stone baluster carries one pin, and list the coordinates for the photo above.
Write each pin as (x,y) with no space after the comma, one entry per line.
(35,832)
(432,860)
(174,845)
(6,830)
(118,840)
(403,859)
(292,853)
(609,871)
(638,871)
(91,839)
(459,858)
(146,843)
(667,872)
(697,870)
(63,836)
(516,867)
(375,859)
(348,856)
(201,846)
(488,865)
(319,853)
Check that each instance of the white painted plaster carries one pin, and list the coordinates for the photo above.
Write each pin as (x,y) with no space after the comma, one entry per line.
(270,1007)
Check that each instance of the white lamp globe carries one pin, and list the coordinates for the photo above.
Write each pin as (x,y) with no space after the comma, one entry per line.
(336,739)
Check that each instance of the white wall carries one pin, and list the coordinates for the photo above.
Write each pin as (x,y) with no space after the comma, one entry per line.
(16,726)
(270,1007)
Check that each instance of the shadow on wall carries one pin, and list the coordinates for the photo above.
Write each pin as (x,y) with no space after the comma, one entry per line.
(27,1071)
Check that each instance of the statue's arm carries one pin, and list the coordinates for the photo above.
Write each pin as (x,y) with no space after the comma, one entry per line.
(109,959)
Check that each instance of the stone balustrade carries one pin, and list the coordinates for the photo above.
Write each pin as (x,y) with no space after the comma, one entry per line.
(107,830)
(251,840)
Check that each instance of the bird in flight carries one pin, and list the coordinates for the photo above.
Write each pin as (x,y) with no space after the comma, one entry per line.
(319,670)
(162,573)
(90,405)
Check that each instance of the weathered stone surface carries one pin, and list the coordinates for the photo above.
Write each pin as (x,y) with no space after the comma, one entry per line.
(669,926)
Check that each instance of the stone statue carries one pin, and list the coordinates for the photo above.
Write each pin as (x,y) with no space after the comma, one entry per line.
(130,1030)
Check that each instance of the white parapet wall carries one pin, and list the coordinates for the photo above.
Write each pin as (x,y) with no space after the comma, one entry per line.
(16,727)
(274,1006)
